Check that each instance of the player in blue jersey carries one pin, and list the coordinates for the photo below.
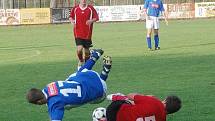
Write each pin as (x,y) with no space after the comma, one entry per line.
(152,10)
(83,86)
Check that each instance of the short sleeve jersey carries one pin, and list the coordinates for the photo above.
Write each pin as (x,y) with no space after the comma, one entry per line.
(81,29)
(153,7)
(80,88)
(146,108)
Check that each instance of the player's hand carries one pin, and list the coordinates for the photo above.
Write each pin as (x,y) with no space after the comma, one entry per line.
(167,23)
(89,22)
(72,22)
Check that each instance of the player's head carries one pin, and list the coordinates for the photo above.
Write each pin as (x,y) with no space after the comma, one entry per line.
(83,2)
(36,96)
(113,108)
(173,104)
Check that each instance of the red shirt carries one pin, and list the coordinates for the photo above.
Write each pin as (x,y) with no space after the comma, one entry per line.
(146,108)
(81,29)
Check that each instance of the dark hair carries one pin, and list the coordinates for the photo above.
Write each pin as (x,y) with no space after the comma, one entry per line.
(173,104)
(113,108)
(34,95)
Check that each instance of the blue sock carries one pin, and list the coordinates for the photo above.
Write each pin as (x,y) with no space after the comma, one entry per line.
(88,65)
(105,72)
(104,76)
(156,38)
(149,42)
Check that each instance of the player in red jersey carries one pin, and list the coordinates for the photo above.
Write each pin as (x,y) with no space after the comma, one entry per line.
(137,107)
(83,16)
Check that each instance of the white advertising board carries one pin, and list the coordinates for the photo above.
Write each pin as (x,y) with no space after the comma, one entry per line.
(205,9)
(9,17)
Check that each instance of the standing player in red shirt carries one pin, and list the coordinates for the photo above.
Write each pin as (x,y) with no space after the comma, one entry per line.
(137,107)
(83,16)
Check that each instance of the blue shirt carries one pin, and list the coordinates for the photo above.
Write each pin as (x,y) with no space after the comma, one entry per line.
(153,7)
(78,89)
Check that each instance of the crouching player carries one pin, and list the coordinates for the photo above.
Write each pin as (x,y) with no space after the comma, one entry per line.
(83,86)
(138,107)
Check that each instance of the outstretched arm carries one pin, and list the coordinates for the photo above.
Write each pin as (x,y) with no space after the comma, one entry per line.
(56,113)
(165,17)
(132,95)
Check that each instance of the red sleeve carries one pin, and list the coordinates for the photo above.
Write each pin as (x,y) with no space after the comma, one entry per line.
(95,14)
(72,13)
(139,98)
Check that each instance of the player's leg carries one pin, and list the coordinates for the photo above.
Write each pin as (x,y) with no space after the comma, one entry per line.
(156,38)
(87,44)
(156,34)
(94,56)
(79,51)
(107,63)
(86,54)
(148,38)
(149,26)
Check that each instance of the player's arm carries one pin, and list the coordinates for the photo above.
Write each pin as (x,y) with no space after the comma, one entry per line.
(56,113)
(95,16)
(132,97)
(165,17)
(72,16)
(89,22)
(164,13)
(116,96)
(145,7)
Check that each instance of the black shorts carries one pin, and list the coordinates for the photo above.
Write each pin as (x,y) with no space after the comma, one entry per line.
(113,108)
(85,43)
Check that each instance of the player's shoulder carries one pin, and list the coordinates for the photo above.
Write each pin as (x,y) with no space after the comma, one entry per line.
(90,6)
(75,7)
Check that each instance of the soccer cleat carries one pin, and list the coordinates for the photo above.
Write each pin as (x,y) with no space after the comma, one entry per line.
(96,53)
(150,49)
(107,61)
(157,48)
(116,96)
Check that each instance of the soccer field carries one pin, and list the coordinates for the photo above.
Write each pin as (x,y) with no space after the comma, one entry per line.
(32,56)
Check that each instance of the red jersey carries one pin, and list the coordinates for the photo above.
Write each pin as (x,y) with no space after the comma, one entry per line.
(80,15)
(146,108)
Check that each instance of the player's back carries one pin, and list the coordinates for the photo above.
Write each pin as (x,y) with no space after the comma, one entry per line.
(91,82)
(80,88)
(145,109)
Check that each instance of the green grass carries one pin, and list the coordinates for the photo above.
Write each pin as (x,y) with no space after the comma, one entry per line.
(32,56)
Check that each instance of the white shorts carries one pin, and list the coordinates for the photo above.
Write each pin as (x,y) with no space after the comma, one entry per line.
(152,22)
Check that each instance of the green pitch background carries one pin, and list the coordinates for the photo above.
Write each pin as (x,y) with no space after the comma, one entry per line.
(32,56)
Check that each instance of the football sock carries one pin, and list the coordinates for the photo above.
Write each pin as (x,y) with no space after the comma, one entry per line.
(80,56)
(105,72)
(87,56)
(149,42)
(156,38)
(87,65)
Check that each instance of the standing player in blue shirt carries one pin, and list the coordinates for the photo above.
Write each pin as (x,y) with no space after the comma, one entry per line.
(84,86)
(152,10)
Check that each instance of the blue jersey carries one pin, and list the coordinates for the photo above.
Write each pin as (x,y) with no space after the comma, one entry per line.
(153,7)
(78,89)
